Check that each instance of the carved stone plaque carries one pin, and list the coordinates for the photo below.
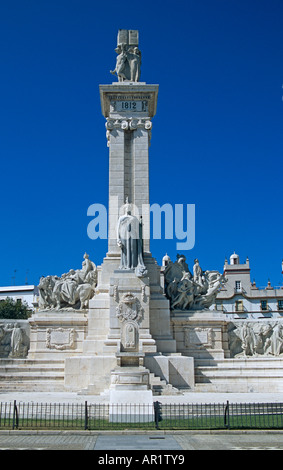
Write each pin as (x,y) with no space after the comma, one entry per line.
(198,338)
(60,338)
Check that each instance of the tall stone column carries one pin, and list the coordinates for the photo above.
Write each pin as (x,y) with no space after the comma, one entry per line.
(128,109)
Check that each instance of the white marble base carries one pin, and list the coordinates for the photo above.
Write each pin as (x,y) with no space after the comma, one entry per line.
(131,406)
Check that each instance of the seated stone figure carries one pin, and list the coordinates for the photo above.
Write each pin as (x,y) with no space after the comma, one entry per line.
(72,290)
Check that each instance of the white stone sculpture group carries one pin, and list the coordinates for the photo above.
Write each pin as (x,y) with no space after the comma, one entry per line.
(255,338)
(188,291)
(128,63)
(72,290)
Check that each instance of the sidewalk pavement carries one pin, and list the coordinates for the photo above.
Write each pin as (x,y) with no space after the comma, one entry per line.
(189,397)
(170,443)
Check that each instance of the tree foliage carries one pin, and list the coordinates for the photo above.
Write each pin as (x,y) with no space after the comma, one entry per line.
(14,310)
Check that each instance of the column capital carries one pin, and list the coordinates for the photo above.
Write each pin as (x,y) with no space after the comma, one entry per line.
(127,124)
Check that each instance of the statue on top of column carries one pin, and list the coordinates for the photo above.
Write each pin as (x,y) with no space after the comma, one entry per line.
(128,62)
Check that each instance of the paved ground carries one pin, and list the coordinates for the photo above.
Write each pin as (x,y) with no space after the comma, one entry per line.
(130,442)
(190,397)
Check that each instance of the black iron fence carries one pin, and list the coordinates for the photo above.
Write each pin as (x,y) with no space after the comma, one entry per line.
(105,416)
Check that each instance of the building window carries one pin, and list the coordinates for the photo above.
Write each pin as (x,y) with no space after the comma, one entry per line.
(238,286)
(280,304)
(263,305)
(239,306)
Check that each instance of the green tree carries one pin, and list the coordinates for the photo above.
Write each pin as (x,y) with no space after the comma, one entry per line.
(14,310)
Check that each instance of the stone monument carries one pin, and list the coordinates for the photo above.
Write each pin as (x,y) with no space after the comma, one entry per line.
(129,329)
(129,334)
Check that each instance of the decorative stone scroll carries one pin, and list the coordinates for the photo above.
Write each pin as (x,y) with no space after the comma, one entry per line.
(130,124)
(60,338)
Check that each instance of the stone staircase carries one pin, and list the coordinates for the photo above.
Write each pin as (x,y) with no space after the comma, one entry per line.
(47,375)
(30,375)
(161,387)
(240,375)
(158,386)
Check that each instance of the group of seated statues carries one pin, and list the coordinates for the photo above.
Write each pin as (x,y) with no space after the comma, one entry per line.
(187,291)
(72,290)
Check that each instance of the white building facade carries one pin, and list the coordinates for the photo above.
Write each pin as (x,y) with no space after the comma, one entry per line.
(26,293)
(241,298)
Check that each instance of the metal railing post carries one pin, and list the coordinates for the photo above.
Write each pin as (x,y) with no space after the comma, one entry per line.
(15,416)
(86,416)
(157,413)
(227,416)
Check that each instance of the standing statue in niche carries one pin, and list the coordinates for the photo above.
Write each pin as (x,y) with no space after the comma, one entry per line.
(129,239)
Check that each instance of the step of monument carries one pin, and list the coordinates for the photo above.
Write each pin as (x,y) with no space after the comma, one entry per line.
(99,386)
(249,361)
(155,379)
(241,372)
(223,382)
(22,361)
(24,366)
(32,376)
(30,368)
(160,386)
(240,387)
(32,386)
(157,384)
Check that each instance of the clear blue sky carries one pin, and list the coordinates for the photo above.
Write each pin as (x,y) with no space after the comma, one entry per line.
(217,136)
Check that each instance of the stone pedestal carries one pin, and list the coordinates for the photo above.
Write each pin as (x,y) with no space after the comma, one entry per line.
(57,334)
(200,334)
(131,406)
(131,398)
